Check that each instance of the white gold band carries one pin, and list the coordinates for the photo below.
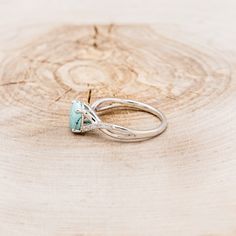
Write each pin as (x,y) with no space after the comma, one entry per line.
(123,133)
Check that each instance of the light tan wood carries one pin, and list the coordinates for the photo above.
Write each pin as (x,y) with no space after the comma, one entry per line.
(54,183)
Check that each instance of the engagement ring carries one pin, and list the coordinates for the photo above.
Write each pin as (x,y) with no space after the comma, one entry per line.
(84,118)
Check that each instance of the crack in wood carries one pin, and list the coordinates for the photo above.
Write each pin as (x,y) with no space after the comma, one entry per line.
(89,96)
(95,45)
(14,82)
(62,95)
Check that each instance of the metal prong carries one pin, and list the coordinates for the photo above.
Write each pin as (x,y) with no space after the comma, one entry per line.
(75,131)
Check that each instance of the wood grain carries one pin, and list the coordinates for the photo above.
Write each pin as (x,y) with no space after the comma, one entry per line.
(55,183)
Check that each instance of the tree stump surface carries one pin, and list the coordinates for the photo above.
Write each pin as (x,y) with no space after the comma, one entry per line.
(53,182)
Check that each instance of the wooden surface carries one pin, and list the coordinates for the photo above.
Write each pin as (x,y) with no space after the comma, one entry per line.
(182,60)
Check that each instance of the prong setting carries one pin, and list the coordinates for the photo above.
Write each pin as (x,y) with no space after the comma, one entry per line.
(82,118)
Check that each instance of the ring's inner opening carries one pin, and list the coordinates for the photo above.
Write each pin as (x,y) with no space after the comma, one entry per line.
(130,118)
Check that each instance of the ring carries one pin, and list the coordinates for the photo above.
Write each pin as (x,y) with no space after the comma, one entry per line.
(84,118)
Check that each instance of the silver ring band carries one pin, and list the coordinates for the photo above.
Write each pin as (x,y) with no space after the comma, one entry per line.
(84,118)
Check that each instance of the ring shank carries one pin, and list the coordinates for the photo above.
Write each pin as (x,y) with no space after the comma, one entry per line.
(127,134)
